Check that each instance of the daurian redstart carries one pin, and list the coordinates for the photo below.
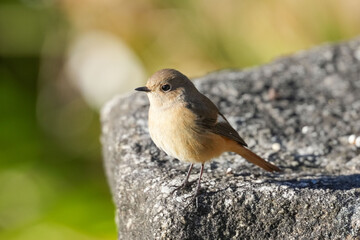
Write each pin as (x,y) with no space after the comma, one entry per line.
(188,126)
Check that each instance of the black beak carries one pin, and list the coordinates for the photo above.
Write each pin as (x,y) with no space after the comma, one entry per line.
(142,89)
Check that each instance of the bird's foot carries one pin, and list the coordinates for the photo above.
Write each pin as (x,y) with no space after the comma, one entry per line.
(185,184)
(194,198)
(197,193)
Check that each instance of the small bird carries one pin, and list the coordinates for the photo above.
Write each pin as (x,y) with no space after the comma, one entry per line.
(188,126)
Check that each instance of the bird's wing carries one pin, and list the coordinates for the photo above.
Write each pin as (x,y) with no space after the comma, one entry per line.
(223,128)
(209,118)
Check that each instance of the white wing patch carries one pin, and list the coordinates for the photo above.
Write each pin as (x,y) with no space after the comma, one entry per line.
(220,119)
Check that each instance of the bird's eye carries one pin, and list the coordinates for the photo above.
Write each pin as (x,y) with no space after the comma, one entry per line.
(166,87)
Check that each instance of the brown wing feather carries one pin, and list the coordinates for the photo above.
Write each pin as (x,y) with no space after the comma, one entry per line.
(207,119)
(226,130)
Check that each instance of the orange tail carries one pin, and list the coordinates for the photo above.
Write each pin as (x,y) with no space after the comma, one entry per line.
(255,159)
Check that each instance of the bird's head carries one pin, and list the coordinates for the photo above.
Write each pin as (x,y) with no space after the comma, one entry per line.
(167,86)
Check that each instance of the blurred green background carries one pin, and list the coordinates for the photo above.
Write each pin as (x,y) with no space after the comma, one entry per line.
(60,60)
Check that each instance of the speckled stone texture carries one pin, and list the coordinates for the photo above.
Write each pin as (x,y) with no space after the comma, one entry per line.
(297,111)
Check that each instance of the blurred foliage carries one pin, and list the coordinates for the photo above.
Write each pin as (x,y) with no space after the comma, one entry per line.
(52,184)
(46,190)
(204,35)
(46,193)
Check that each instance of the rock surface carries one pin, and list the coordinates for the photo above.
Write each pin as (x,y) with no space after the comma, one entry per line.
(297,111)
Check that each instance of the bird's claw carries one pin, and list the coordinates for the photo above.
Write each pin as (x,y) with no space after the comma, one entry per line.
(185,184)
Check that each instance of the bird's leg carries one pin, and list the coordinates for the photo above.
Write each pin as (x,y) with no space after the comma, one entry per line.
(197,191)
(186,181)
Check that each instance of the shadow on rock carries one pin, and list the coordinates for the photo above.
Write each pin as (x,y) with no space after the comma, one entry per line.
(339,182)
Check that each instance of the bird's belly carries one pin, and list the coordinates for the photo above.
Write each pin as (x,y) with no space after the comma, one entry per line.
(175,134)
